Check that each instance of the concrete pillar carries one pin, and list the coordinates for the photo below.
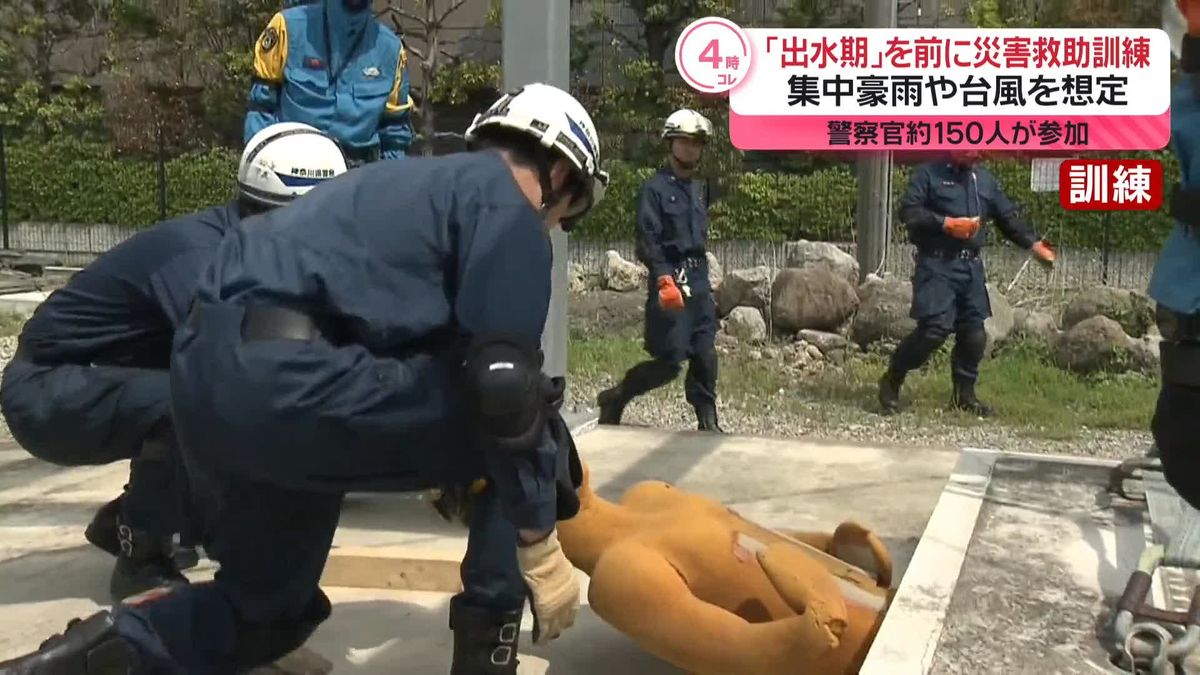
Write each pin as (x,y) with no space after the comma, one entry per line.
(537,48)
(874,172)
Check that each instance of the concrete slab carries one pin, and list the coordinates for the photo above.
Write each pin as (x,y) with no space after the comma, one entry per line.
(22,303)
(48,575)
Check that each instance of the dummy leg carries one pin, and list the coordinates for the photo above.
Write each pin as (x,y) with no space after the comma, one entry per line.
(637,591)
(486,616)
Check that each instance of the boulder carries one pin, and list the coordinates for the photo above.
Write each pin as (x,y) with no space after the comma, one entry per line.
(1000,324)
(1144,354)
(802,254)
(621,275)
(1133,310)
(882,312)
(826,342)
(1095,344)
(1034,325)
(577,280)
(812,297)
(745,288)
(746,324)
(715,274)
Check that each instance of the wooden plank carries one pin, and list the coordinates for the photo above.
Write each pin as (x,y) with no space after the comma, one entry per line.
(393,567)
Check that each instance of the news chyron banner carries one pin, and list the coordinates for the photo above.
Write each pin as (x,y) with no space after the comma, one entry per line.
(1034,92)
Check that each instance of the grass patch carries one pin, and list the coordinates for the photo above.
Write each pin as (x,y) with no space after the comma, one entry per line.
(1029,393)
(11,323)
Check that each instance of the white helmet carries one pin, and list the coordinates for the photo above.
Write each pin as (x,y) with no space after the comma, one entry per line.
(286,160)
(687,122)
(558,122)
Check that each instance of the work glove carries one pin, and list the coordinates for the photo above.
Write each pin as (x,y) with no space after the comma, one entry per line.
(1044,253)
(960,228)
(1190,9)
(553,587)
(669,296)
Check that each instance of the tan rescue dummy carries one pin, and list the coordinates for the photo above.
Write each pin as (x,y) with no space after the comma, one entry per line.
(703,588)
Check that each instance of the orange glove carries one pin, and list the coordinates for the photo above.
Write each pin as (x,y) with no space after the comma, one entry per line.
(669,297)
(1042,251)
(1190,9)
(961,228)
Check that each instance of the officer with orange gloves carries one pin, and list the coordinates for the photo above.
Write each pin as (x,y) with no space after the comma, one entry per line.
(681,315)
(944,211)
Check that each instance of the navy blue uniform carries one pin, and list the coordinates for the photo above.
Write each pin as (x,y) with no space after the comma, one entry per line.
(949,284)
(89,381)
(1175,286)
(672,230)
(398,265)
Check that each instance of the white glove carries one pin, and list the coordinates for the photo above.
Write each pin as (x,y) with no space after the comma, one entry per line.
(553,584)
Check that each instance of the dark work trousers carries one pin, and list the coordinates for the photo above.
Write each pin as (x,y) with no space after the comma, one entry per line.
(77,415)
(949,296)
(1176,422)
(673,338)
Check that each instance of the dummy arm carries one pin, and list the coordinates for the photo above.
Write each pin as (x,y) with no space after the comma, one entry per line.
(703,638)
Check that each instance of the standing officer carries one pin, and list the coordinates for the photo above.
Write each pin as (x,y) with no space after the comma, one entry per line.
(331,64)
(380,334)
(681,315)
(943,210)
(88,384)
(1175,285)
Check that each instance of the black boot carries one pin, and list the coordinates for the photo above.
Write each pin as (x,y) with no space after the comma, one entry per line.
(145,562)
(89,646)
(485,642)
(889,392)
(612,405)
(706,417)
(102,531)
(964,399)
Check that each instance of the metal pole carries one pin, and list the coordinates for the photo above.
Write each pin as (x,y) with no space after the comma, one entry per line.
(1104,253)
(874,170)
(537,48)
(3,187)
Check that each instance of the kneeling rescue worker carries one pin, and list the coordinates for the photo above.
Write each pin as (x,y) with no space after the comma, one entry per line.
(382,333)
(681,314)
(88,384)
(944,211)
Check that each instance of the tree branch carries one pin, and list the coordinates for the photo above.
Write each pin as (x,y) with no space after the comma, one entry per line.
(453,8)
(406,14)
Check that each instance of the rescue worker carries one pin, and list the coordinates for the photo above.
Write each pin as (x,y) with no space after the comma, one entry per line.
(88,384)
(944,211)
(331,64)
(380,334)
(1175,284)
(681,314)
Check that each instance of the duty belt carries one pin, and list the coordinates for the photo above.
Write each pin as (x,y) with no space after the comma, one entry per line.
(262,322)
(949,253)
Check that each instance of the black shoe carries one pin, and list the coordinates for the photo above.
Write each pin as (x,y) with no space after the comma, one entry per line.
(889,393)
(88,646)
(485,642)
(706,418)
(102,531)
(145,562)
(612,406)
(964,399)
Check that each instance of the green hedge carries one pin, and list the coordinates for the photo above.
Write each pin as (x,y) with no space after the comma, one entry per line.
(69,181)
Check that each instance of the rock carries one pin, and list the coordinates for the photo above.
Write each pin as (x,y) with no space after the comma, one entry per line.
(1034,325)
(746,324)
(1133,310)
(745,288)
(1093,345)
(715,274)
(1000,324)
(802,254)
(813,297)
(813,352)
(826,342)
(771,353)
(1144,354)
(622,275)
(882,312)
(755,355)
(837,356)
(725,340)
(577,280)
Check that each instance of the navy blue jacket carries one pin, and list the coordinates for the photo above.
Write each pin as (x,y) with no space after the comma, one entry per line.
(123,308)
(940,189)
(401,260)
(672,222)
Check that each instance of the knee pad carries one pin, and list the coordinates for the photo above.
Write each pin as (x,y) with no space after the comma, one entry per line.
(263,643)
(971,342)
(508,390)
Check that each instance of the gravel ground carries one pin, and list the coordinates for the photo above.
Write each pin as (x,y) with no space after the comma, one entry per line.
(778,416)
